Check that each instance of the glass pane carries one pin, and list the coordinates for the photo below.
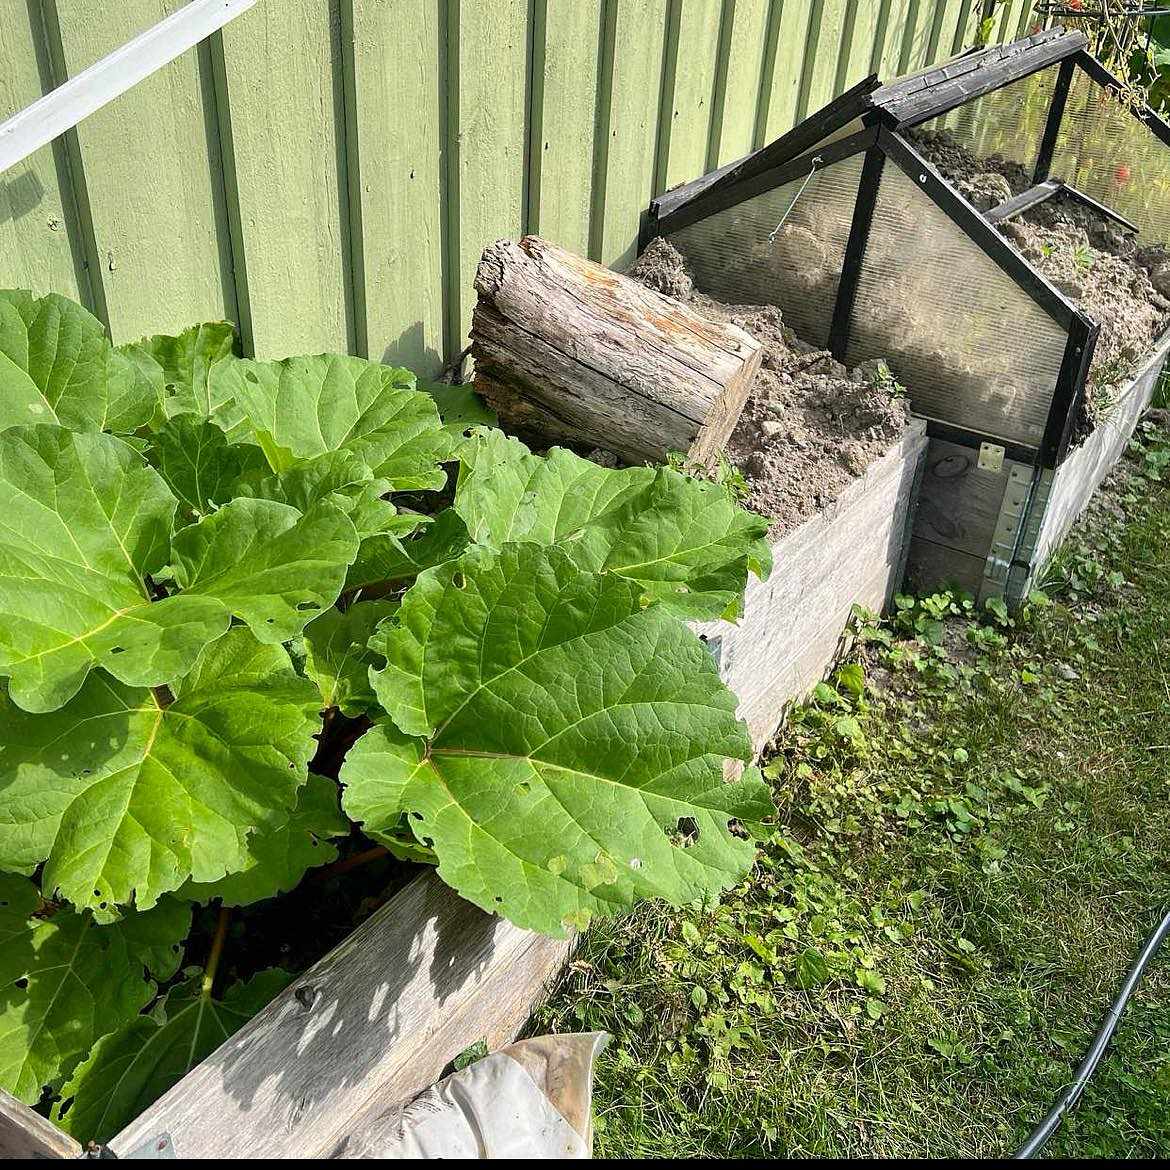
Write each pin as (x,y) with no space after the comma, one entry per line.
(784,247)
(1008,122)
(1106,152)
(971,347)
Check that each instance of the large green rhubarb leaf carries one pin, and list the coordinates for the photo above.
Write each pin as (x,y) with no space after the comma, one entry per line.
(65,981)
(302,407)
(134,1066)
(266,562)
(186,362)
(52,362)
(390,561)
(200,465)
(337,658)
(560,747)
(83,524)
(461,410)
(58,366)
(685,540)
(279,858)
(125,798)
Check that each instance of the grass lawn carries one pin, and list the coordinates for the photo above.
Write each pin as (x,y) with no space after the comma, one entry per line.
(973,842)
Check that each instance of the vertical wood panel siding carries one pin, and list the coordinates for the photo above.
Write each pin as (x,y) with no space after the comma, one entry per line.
(156,193)
(41,236)
(327,172)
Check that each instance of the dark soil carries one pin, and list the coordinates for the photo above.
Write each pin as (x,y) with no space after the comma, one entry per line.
(1090,258)
(810,426)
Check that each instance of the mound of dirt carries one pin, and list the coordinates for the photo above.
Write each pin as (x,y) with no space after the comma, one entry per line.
(810,426)
(1090,258)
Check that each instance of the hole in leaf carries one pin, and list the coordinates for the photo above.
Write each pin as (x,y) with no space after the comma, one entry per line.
(306,606)
(524,788)
(22,983)
(117,649)
(459,581)
(251,377)
(417,816)
(686,832)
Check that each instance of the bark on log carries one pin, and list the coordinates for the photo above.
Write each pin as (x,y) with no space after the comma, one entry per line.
(573,352)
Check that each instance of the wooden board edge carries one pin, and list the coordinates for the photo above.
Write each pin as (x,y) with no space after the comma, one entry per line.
(370,1025)
(24,1133)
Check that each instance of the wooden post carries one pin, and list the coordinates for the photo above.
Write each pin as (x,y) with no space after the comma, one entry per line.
(572,352)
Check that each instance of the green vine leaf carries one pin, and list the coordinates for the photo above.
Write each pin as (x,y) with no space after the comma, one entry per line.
(685,540)
(84,524)
(265,562)
(65,981)
(131,1068)
(337,658)
(124,798)
(278,859)
(564,747)
(303,407)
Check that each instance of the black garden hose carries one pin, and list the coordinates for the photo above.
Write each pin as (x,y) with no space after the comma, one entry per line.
(1038,1138)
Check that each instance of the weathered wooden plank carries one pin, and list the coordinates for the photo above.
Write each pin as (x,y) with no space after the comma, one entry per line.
(959,502)
(399,71)
(897,26)
(284,86)
(41,235)
(567,38)
(851,553)
(916,36)
(151,161)
(932,566)
(733,124)
(791,21)
(376,1020)
(1079,476)
(487,84)
(575,353)
(694,85)
(26,1134)
(968,21)
(947,30)
(625,164)
(822,48)
(859,31)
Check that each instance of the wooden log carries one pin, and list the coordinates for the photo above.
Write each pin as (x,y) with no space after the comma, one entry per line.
(574,353)
(372,1024)
(26,1134)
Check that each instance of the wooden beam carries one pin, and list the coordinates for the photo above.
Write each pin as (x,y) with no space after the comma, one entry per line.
(26,1134)
(376,1020)
(62,108)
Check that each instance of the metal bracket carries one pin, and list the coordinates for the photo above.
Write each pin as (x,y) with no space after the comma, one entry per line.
(991,456)
(161,1146)
(1006,539)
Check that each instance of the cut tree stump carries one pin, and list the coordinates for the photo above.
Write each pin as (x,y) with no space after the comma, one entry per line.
(574,353)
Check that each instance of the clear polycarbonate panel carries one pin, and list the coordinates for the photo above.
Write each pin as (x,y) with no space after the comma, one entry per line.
(971,347)
(1106,152)
(1008,122)
(784,247)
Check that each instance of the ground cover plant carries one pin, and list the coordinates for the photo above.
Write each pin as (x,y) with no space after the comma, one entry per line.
(253,612)
(971,844)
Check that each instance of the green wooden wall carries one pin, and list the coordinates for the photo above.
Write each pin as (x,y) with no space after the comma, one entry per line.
(326,173)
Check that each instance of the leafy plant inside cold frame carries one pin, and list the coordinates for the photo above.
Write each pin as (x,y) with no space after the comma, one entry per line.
(247,605)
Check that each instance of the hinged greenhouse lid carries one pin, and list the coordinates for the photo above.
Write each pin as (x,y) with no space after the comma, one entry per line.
(870,250)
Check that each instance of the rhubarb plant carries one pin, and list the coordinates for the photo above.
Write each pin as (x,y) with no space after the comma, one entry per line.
(251,611)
